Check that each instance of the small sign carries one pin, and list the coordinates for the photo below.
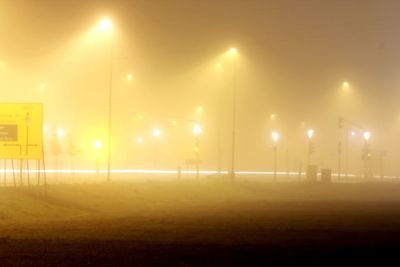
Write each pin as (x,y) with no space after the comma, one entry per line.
(8,133)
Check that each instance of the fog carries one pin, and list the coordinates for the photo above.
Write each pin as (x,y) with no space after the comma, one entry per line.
(168,58)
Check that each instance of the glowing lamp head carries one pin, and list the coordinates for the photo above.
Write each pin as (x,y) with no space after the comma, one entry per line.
(272,117)
(199,109)
(197,129)
(353,134)
(233,52)
(310,133)
(196,149)
(156,133)
(367,136)
(174,122)
(275,137)
(60,133)
(129,77)
(139,140)
(97,144)
(140,117)
(345,87)
(105,24)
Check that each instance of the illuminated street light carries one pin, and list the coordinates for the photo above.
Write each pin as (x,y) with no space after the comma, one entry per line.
(156,132)
(140,117)
(105,24)
(233,52)
(272,117)
(367,136)
(197,129)
(275,139)
(139,140)
(366,155)
(60,133)
(174,122)
(353,134)
(310,133)
(129,77)
(345,86)
(97,144)
(199,109)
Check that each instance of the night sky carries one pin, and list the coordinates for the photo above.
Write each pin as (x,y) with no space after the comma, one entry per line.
(294,57)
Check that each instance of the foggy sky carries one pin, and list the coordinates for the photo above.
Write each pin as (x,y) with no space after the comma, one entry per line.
(294,56)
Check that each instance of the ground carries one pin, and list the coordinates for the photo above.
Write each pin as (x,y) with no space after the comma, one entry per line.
(199,223)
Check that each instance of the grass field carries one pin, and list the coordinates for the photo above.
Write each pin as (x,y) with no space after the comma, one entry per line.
(198,223)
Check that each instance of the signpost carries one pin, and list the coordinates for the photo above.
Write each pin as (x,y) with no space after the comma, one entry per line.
(21,126)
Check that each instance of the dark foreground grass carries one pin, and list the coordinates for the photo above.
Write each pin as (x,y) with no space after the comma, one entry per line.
(200,224)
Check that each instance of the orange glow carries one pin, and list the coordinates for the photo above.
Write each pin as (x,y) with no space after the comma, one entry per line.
(97,144)
(105,24)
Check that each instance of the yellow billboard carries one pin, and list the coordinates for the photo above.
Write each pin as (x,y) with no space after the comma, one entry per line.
(21,131)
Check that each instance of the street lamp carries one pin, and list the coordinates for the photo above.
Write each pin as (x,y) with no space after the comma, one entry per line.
(233,53)
(197,132)
(156,132)
(275,139)
(310,135)
(367,136)
(366,153)
(60,133)
(345,86)
(106,26)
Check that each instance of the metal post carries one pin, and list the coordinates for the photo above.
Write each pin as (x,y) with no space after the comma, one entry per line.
(339,159)
(346,156)
(110,111)
(233,145)
(13,170)
(275,148)
(197,157)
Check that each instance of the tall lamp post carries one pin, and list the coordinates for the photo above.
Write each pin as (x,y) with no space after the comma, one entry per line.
(197,132)
(275,139)
(311,148)
(366,154)
(106,26)
(233,52)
